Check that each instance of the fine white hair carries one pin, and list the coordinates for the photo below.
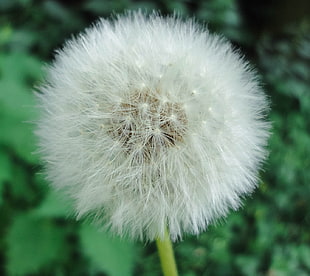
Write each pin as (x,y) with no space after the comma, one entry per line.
(150,122)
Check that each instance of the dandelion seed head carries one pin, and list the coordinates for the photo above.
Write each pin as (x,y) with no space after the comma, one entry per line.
(148,121)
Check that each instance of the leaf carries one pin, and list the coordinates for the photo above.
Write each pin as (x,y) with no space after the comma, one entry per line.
(17,104)
(111,255)
(304,252)
(53,206)
(21,191)
(32,244)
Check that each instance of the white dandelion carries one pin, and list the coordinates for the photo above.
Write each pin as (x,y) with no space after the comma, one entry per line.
(150,122)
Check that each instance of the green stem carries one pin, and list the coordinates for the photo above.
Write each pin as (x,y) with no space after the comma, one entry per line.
(166,255)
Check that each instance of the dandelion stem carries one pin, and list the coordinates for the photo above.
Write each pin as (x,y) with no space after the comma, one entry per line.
(166,255)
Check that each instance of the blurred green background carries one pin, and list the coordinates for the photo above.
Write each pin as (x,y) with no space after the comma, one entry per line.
(269,236)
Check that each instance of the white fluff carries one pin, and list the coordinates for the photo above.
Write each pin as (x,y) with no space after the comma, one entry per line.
(149,121)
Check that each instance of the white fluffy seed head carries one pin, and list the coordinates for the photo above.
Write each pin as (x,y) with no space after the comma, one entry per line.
(150,121)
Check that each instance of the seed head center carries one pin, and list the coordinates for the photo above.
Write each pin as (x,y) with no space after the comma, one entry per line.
(147,123)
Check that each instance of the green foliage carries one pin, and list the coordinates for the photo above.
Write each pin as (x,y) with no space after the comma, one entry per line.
(5,172)
(269,236)
(291,259)
(109,254)
(32,244)
(18,74)
(53,206)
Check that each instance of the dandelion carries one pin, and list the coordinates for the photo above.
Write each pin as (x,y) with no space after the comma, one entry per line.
(151,123)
